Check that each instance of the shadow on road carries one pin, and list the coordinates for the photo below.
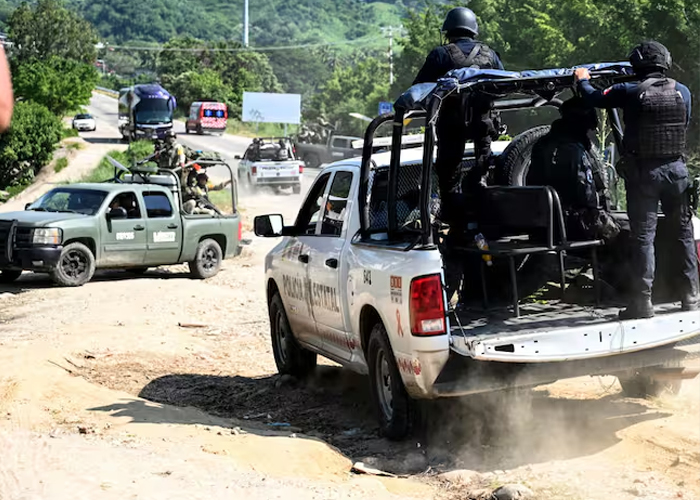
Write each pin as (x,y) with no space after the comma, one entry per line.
(102,140)
(334,405)
(35,281)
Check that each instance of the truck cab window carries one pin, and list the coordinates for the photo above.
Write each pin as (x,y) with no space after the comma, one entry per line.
(310,212)
(335,210)
(157,205)
(128,202)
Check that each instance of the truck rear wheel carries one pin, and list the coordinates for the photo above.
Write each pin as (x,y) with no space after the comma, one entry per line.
(643,385)
(207,260)
(290,357)
(75,267)
(9,275)
(296,189)
(312,161)
(396,411)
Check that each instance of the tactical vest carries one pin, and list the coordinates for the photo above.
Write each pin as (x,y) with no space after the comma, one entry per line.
(481,56)
(659,128)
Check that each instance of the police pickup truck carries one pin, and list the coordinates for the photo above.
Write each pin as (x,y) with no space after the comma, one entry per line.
(270,162)
(134,222)
(360,277)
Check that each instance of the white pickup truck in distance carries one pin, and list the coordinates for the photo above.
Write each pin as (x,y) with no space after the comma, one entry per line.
(270,162)
(360,279)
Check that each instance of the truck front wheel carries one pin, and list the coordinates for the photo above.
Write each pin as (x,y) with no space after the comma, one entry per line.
(312,161)
(290,357)
(397,412)
(9,275)
(75,267)
(207,261)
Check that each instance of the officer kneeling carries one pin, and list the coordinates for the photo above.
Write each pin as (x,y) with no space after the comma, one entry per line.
(656,114)
(565,160)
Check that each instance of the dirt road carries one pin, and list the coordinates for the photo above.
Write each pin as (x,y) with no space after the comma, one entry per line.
(163,387)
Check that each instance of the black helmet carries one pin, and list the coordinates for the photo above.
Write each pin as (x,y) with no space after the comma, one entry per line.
(650,55)
(576,112)
(170,135)
(460,19)
(202,177)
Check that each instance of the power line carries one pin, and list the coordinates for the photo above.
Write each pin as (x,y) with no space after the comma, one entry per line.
(358,41)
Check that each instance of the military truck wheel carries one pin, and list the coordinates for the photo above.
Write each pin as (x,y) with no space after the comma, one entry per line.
(312,161)
(643,385)
(397,412)
(290,357)
(207,261)
(75,267)
(296,189)
(9,275)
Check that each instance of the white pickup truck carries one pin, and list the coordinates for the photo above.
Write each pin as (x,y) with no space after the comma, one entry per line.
(270,162)
(348,284)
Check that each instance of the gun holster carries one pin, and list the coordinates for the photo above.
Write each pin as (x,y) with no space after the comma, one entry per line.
(694,194)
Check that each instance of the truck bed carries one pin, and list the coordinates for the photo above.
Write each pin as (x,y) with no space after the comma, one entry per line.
(558,331)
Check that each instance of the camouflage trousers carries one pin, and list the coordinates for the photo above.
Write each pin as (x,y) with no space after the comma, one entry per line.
(193,207)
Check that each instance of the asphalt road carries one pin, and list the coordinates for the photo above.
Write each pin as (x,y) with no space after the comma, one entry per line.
(104,109)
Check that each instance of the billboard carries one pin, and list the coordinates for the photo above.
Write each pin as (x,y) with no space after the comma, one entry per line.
(266,107)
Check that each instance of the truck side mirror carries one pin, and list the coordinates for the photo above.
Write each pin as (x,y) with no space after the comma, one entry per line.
(269,226)
(117,213)
(26,207)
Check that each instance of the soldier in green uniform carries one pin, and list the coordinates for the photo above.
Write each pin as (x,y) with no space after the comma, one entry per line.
(196,196)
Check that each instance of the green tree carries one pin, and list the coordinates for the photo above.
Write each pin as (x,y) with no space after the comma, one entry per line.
(59,84)
(204,85)
(49,29)
(29,143)
(353,89)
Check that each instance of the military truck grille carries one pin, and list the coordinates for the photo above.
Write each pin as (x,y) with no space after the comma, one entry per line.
(23,237)
(5,235)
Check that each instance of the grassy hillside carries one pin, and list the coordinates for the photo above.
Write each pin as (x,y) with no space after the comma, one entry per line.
(272,22)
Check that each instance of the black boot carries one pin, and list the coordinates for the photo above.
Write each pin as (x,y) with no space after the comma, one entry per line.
(690,302)
(638,308)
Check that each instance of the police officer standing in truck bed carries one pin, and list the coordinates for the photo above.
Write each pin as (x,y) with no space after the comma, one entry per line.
(462,51)
(656,114)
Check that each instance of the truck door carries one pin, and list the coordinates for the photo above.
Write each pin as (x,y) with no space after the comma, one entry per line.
(123,240)
(340,147)
(294,265)
(326,266)
(164,229)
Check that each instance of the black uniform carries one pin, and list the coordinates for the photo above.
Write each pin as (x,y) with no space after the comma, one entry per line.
(656,113)
(453,130)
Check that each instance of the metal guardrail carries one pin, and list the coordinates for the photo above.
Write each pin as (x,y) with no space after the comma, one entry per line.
(108,91)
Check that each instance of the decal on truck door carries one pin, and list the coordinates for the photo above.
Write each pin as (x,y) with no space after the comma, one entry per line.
(164,237)
(125,236)
(305,290)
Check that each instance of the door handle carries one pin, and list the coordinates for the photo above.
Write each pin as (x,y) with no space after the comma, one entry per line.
(332,263)
(172,226)
(304,258)
(139,228)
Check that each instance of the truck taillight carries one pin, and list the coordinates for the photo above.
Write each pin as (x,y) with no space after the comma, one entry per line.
(240,228)
(301,168)
(427,306)
(253,170)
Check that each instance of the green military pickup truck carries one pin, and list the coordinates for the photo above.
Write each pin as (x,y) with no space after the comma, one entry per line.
(134,222)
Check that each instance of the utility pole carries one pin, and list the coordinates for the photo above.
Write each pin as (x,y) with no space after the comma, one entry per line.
(390,31)
(245,23)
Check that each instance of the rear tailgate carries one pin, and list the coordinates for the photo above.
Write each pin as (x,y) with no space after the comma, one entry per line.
(272,170)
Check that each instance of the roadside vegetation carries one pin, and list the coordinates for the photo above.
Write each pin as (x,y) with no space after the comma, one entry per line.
(105,171)
(52,75)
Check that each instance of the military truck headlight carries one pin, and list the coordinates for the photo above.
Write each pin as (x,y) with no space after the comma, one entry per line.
(47,236)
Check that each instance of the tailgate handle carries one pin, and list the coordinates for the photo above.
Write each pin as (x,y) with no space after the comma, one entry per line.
(332,263)
(139,228)
(172,226)
(304,258)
